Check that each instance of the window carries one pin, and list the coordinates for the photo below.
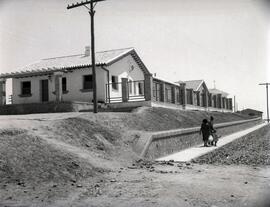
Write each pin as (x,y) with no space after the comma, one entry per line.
(114,82)
(88,82)
(64,84)
(26,88)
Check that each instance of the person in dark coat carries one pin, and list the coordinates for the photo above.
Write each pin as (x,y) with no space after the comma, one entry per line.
(213,132)
(205,131)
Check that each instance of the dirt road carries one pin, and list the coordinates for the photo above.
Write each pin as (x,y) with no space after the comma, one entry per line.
(64,160)
(178,185)
(182,185)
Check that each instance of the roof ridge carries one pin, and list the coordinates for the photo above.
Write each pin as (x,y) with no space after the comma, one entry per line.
(194,80)
(65,56)
(115,49)
(30,64)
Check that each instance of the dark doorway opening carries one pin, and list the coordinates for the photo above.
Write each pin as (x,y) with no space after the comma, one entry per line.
(44,90)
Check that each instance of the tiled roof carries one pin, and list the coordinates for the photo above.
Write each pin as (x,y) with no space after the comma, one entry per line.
(102,58)
(217,91)
(194,84)
(76,61)
(163,80)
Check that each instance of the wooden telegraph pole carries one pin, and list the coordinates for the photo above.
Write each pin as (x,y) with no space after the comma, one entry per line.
(266,85)
(91,5)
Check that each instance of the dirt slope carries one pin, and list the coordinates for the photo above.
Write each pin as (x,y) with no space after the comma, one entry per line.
(159,119)
(44,157)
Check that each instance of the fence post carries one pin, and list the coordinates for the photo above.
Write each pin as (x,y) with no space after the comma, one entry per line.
(219,100)
(58,86)
(184,98)
(163,92)
(173,94)
(124,89)
(148,87)
(2,92)
(230,104)
(206,100)
(210,100)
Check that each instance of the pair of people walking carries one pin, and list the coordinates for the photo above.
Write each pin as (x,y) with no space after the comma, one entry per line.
(208,132)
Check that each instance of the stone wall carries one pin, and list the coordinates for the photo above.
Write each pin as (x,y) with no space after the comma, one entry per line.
(162,143)
(50,107)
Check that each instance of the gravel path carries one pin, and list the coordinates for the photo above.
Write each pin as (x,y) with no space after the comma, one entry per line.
(199,150)
(252,149)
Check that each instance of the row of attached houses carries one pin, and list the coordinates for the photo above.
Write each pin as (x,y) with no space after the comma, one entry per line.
(122,80)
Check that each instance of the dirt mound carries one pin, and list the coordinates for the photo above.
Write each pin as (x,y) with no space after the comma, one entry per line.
(85,133)
(11,132)
(159,119)
(38,166)
(252,149)
(156,119)
(103,136)
(28,158)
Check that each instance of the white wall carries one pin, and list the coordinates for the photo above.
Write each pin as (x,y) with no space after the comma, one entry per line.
(122,69)
(35,89)
(74,84)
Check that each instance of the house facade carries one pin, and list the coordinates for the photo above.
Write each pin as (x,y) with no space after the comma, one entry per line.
(69,78)
(197,94)
(122,81)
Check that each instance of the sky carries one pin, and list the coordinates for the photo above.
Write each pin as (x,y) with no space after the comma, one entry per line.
(226,41)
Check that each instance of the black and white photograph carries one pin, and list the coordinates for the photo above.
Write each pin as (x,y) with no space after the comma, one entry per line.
(134,103)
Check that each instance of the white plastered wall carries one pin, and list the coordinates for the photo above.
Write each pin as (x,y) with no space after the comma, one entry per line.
(74,86)
(35,89)
(123,69)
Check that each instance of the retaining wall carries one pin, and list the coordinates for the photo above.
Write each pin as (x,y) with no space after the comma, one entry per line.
(159,144)
(49,107)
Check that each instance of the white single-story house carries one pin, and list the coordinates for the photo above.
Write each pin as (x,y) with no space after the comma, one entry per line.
(197,93)
(69,78)
(122,80)
(219,99)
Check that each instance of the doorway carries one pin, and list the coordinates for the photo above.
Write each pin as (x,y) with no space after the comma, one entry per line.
(44,90)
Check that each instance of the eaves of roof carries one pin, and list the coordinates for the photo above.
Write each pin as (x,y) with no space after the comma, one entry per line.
(39,70)
(45,71)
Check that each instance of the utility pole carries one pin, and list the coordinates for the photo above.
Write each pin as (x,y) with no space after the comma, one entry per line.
(234,106)
(91,11)
(266,85)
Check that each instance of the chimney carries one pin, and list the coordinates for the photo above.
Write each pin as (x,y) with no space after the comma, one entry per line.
(87,51)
